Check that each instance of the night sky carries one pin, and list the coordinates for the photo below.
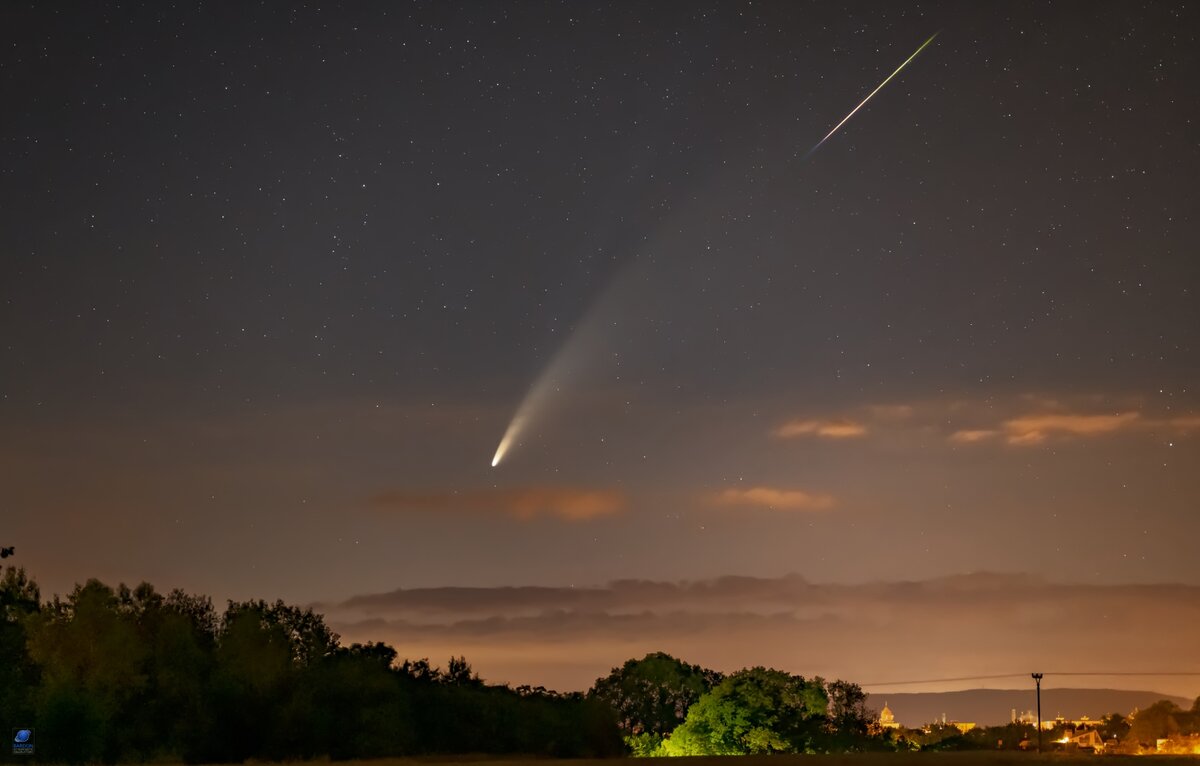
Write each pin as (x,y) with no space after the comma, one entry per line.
(274,281)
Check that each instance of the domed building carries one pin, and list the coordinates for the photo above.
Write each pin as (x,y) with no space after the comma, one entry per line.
(886,719)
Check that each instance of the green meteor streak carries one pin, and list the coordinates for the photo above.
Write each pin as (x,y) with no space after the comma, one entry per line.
(872,93)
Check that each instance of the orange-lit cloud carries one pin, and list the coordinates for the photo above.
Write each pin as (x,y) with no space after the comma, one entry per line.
(1034,429)
(831,429)
(971,436)
(524,503)
(769,497)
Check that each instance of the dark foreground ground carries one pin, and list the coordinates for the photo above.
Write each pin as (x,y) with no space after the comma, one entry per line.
(974,758)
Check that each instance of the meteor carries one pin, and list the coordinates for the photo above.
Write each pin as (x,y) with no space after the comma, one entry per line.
(870,95)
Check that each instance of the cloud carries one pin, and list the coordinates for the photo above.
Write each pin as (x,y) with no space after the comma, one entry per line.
(566,637)
(524,503)
(830,429)
(1034,429)
(1019,420)
(618,596)
(1054,419)
(769,497)
(971,436)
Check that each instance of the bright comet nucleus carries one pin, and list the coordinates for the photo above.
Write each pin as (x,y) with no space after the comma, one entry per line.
(502,447)
(536,394)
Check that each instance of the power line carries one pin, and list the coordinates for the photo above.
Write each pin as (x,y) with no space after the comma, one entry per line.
(1148,674)
(1131,673)
(947,680)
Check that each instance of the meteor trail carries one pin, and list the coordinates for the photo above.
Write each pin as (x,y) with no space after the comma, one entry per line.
(870,95)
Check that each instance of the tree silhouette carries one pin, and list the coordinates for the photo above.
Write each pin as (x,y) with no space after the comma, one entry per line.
(652,695)
(129,675)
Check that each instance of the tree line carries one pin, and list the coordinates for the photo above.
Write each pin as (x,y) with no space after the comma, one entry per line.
(131,675)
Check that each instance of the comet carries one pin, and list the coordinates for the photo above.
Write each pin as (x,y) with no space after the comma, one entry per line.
(566,365)
(573,360)
(510,434)
(870,95)
(578,358)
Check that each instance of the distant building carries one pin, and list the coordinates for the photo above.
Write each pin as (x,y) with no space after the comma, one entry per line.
(962,726)
(1084,722)
(1030,718)
(886,719)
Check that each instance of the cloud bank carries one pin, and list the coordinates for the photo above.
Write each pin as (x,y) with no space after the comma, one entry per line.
(971,625)
(773,498)
(830,429)
(1026,420)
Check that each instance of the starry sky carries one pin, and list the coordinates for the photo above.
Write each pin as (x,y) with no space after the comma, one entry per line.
(274,281)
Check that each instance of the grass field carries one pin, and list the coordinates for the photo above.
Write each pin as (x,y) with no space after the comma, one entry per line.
(971,758)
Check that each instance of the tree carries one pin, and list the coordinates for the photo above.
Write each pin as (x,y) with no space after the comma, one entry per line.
(939,736)
(757,710)
(458,671)
(1114,726)
(129,675)
(180,633)
(361,710)
(260,698)
(1006,737)
(19,675)
(94,669)
(1155,722)
(849,717)
(652,695)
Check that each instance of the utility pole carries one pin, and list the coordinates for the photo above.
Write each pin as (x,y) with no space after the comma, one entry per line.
(1037,679)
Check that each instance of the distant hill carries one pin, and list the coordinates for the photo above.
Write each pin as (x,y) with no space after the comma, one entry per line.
(991,707)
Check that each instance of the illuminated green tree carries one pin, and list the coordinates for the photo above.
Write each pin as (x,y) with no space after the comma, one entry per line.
(757,710)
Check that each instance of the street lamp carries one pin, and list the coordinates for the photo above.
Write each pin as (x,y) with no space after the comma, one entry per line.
(1037,679)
